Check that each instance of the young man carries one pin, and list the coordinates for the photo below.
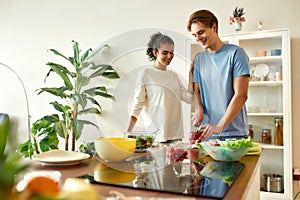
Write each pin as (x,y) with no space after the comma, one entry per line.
(221,78)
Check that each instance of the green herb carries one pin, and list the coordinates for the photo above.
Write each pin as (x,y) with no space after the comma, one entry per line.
(201,149)
(200,162)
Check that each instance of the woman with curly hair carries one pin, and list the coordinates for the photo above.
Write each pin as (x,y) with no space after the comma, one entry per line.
(159,92)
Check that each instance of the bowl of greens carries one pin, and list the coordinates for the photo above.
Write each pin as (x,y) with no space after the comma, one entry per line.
(144,139)
(229,150)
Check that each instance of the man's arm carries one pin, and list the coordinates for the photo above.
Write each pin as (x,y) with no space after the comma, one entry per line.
(240,86)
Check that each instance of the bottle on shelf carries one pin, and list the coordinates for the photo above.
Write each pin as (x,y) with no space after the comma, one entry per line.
(278,140)
(266,136)
(251,132)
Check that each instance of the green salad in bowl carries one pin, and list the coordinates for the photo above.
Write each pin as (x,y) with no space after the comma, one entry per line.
(144,139)
(229,150)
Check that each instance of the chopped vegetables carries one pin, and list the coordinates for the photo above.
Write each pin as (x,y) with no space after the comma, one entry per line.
(177,154)
(143,141)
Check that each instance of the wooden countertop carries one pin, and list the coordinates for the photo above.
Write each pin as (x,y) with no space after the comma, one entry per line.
(238,190)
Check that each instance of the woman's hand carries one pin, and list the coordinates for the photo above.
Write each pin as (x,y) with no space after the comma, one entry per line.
(197,118)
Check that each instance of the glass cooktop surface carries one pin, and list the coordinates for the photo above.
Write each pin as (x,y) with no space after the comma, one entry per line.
(201,177)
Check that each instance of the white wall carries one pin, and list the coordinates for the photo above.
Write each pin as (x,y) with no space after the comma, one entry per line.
(28,28)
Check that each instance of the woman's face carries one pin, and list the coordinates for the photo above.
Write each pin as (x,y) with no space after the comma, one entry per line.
(165,54)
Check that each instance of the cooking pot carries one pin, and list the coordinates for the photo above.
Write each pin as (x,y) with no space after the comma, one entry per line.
(273,183)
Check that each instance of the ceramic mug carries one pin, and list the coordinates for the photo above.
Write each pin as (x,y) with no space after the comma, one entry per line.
(261,53)
(278,76)
(275,52)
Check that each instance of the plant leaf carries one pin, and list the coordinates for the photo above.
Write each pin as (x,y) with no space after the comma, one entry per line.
(85,55)
(80,99)
(106,95)
(48,141)
(92,91)
(61,129)
(44,123)
(63,73)
(80,124)
(90,111)
(87,64)
(4,131)
(111,75)
(58,53)
(26,149)
(55,91)
(82,81)
(95,103)
(61,108)
(76,59)
(104,70)
(99,50)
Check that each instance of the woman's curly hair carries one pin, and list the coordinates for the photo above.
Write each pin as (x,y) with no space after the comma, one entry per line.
(154,44)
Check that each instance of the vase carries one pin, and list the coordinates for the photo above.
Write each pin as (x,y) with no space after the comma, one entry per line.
(237,26)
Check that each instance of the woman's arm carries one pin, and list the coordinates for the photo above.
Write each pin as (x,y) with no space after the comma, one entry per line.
(131,123)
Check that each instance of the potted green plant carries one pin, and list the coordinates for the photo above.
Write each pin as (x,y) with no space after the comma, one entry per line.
(78,98)
(237,18)
(10,164)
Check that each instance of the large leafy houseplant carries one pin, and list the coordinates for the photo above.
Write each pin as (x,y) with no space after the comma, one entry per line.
(78,97)
(10,165)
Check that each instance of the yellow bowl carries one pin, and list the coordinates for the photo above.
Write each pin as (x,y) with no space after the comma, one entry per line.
(105,174)
(115,149)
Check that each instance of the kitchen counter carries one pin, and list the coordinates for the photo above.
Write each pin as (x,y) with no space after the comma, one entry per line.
(245,186)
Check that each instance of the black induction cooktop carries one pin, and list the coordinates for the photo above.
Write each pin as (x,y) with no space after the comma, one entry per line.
(189,177)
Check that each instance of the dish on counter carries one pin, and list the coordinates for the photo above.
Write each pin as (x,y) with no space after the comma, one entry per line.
(144,139)
(60,157)
(115,149)
(255,149)
(229,150)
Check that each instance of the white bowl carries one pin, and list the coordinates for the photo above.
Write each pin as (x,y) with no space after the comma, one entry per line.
(115,149)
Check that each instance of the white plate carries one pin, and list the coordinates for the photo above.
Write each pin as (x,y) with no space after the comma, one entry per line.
(60,157)
(261,70)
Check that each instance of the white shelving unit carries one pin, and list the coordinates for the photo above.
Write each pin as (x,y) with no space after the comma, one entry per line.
(267,100)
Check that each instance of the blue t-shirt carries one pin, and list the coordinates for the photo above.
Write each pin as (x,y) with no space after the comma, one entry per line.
(215,73)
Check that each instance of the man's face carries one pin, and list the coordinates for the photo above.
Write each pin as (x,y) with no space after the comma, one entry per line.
(203,34)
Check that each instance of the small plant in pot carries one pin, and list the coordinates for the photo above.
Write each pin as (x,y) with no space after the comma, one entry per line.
(77,98)
(237,16)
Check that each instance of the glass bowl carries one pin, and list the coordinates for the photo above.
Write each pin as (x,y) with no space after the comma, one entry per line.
(221,153)
(144,139)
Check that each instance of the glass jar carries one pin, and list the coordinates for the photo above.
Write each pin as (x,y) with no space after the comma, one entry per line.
(266,136)
(250,132)
(278,140)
